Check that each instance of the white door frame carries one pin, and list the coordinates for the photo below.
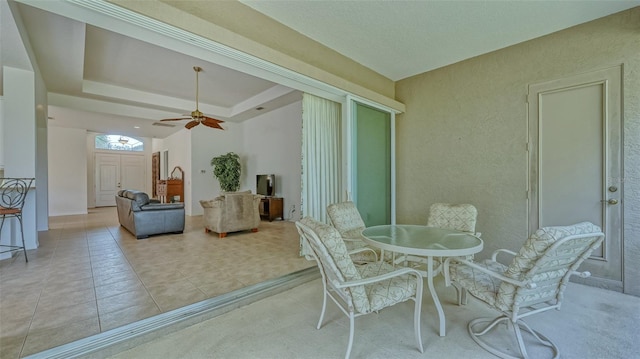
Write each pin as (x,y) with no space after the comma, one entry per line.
(610,79)
(349,141)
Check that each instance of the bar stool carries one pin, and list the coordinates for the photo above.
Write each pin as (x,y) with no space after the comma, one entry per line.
(13,194)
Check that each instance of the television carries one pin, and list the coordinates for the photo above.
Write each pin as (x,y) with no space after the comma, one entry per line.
(266,185)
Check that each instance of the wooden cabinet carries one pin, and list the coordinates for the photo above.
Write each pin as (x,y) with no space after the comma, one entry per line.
(271,208)
(175,190)
(172,189)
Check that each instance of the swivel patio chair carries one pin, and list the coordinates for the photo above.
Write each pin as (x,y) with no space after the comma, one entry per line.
(13,194)
(362,289)
(533,283)
(344,216)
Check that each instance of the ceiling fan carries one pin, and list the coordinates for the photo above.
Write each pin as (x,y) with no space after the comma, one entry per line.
(196,116)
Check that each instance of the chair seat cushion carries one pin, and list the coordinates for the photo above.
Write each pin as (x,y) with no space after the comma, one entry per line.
(9,211)
(479,284)
(388,292)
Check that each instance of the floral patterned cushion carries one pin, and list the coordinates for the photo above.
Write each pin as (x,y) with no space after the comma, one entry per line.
(338,254)
(385,293)
(479,284)
(461,217)
(364,256)
(355,233)
(346,218)
(533,248)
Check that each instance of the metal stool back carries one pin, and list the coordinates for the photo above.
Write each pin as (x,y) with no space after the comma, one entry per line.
(13,194)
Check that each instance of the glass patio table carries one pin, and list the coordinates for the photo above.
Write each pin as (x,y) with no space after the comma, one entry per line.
(426,242)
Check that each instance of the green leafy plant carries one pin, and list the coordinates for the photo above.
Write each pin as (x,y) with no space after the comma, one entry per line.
(226,168)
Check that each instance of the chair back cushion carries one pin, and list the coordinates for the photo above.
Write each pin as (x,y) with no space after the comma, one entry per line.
(239,205)
(550,266)
(332,252)
(346,218)
(138,198)
(231,212)
(461,217)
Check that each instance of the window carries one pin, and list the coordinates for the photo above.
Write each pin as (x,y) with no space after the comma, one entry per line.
(118,143)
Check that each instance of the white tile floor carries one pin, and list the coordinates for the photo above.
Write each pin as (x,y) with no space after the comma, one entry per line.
(592,324)
(90,275)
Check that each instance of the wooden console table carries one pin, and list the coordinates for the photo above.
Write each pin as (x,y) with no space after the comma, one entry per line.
(172,188)
(271,208)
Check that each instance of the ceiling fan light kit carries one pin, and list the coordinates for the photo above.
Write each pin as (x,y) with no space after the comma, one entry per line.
(198,117)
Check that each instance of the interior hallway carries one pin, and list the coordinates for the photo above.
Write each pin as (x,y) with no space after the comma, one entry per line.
(90,275)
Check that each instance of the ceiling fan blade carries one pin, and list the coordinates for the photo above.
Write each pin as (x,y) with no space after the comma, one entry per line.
(211,119)
(212,123)
(191,124)
(176,119)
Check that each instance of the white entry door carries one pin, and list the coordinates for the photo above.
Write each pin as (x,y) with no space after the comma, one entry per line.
(575,162)
(115,172)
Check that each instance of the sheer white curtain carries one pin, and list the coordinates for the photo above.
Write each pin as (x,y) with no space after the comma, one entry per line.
(321,156)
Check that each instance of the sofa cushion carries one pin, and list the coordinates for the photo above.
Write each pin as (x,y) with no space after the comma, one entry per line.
(161,206)
(138,198)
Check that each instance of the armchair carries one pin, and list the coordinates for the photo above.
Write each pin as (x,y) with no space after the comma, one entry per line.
(231,212)
(534,282)
(363,289)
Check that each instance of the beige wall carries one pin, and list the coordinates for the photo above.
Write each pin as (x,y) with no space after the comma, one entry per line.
(463,136)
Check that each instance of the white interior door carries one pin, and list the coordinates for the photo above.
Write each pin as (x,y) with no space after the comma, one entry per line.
(114,172)
(575,171)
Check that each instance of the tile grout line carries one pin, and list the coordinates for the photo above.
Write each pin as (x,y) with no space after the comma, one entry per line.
(93,279)
(134,270)
(44,280)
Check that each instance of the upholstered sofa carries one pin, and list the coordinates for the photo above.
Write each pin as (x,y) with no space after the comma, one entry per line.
(143,217)
(231,212)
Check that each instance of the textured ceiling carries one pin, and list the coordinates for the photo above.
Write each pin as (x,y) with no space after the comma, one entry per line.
(399,39)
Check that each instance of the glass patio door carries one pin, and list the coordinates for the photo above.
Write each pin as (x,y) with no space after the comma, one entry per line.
(373,163)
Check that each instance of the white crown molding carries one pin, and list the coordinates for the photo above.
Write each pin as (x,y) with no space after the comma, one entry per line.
(123,93)
(265,96)
(93,105)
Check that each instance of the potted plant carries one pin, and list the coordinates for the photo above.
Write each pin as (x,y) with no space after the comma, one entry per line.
(226,168)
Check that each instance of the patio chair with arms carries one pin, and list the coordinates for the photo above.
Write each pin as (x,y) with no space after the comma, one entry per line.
(363,289)
(459,217)
(344,216)
(533,283)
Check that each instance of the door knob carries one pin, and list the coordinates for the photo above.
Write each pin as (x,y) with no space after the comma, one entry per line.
(611,201)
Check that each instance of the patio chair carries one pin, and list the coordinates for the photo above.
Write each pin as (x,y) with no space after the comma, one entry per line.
(344,216)
(363,289)
(460,217)
(533,283)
